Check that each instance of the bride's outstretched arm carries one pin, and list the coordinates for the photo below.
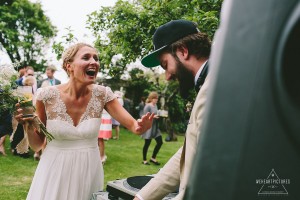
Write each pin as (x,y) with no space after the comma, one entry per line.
(35,138)
(116,110)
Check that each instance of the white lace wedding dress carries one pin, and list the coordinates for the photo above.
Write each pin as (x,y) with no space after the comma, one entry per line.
(70,166)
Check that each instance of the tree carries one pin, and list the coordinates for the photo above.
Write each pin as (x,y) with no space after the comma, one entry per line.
(130,25)
(138,86)
(25,32)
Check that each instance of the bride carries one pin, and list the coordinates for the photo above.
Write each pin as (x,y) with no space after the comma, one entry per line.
(70,167)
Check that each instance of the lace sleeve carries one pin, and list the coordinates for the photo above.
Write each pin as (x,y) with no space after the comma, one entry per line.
(109,95)
(40,94)
(46,94)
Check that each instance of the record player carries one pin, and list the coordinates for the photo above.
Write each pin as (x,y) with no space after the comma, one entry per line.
(126,189)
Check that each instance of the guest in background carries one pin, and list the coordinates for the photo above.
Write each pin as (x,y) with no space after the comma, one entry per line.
(5,129)
(25,71)
(153,132)
(19,144)
(16,136)
(141,106)
(50,80)
(28,89)
(105,132)
(29,79)
(115,123)
(127,103)
(2,145)
(22,71)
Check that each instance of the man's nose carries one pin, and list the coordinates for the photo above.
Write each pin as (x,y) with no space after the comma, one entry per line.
(168,76)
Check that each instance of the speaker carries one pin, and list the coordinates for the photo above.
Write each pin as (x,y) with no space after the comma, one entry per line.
(249,145)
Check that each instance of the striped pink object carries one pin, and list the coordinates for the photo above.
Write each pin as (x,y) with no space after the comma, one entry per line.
(105,130)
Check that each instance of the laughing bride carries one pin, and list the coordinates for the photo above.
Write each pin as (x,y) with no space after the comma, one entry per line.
(70,167)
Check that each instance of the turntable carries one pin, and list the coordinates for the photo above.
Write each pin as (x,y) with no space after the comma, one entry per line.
(126,189)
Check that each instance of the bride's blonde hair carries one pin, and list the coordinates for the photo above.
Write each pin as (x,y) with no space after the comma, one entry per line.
(70,52)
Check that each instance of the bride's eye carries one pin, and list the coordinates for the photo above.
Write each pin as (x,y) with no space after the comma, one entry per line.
(96,58)
(85,57)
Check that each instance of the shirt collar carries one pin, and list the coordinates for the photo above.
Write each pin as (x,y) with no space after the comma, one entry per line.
(199,72)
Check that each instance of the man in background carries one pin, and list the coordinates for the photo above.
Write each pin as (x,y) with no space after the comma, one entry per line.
(17,131)
(29,79)
(50,80)
(22,71)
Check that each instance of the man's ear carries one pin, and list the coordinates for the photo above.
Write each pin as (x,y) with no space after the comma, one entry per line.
(182,52)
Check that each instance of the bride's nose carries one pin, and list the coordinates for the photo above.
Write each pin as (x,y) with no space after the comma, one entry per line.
(94,62)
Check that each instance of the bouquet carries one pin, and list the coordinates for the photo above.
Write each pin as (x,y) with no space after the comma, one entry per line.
(10,96)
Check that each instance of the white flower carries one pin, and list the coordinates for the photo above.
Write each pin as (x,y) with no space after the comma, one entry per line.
(4,82)
(8,96)
(7,72)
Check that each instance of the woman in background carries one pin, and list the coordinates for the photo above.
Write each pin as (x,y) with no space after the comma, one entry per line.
(153,132)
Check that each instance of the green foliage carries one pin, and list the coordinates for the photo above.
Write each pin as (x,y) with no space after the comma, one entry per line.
(138,86)
(176,107)
(130,24)
(58,47)
(116,69)
(127,27)
(25,31)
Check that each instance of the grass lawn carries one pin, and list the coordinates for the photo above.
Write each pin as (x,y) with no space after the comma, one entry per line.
(124,160)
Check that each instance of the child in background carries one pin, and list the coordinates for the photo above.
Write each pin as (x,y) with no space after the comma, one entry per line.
(105,132)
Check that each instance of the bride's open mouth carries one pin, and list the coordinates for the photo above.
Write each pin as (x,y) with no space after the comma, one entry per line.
(91,72)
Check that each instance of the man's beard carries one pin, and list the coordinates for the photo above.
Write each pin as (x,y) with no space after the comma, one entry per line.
(185,78)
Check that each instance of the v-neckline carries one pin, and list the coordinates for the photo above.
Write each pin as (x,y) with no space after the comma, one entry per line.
(65,108)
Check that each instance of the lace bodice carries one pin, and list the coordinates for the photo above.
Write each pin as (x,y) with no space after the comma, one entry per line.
(56,108)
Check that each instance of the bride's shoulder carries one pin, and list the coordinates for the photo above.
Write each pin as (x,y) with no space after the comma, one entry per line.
(104,92)
(100,89)
(46,93)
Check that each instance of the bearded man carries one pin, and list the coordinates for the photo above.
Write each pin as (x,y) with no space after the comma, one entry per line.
(183,52)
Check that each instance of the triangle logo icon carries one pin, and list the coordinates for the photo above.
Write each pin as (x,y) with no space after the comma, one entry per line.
(272,186)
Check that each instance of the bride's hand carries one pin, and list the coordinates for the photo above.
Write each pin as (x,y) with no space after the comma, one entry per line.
(21,118)
(144,123)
